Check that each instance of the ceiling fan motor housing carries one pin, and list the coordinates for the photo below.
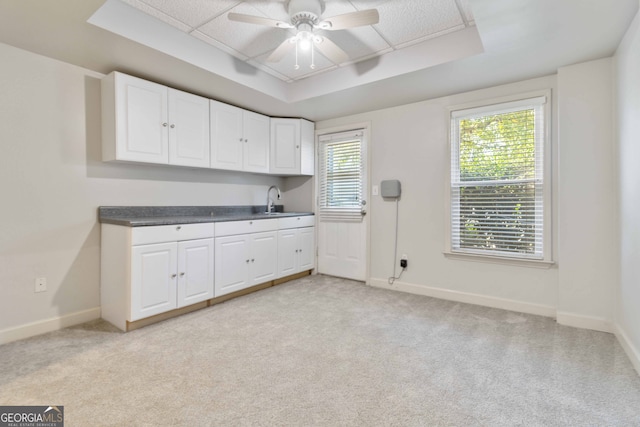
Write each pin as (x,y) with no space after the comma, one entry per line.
(305,11)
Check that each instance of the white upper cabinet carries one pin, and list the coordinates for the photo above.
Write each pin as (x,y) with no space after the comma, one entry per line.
(292,142)
(256,142)
(134,120)
(188,129)
(151,123)
(239,139)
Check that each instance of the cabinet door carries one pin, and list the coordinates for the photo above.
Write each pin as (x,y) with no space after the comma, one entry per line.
(264,257)
(195,271)
(188,129)
(153,279)
(285,146)
(256,142)
(307,147)
(287,252)
(141,120)
(227,143)
(306,249)
(232,264)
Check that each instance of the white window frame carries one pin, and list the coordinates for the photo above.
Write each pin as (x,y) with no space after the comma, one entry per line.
(488,107)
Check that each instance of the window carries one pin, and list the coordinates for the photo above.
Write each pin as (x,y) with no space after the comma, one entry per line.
(341,175)
(498,180)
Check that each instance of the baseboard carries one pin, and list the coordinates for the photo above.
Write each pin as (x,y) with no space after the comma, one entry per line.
(584,322)
(48,325)
(628,347)
(469,298)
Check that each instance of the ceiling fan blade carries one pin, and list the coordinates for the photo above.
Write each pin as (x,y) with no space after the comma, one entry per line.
(282,50)
(250,19)
(331,50)
(350,20)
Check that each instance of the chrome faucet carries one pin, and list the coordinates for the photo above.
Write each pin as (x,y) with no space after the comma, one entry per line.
(270,202)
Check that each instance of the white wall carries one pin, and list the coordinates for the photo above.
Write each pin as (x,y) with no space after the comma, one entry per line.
(587,240)
(410,143)
(52,181)
(627,311)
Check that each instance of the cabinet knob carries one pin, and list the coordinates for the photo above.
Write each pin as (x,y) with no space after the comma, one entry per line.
(240,139)
(182,274)
(297,146)
(172,126)
(164,125)
(252,260)
(173,276)
(178,228)
(246,140)
(247,261)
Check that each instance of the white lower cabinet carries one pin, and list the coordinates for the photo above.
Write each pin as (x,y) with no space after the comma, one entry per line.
(295,250)
(165,276)
(244,260)
(147,271)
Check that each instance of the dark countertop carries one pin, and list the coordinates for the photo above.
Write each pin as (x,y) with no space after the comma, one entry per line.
(141,216)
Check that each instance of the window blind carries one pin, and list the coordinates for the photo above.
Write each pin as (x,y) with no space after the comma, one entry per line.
(497,179)
(341,171)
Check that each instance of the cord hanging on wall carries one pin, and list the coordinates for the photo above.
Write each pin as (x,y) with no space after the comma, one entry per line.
(392,189)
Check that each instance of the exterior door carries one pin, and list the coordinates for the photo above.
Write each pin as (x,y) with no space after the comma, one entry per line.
(342,225)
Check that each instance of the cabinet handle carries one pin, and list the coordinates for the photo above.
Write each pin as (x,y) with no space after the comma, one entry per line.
(164,125)
(182,274)
(173,276)
(172,126)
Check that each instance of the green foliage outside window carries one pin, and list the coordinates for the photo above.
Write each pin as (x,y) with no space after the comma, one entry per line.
(497,187)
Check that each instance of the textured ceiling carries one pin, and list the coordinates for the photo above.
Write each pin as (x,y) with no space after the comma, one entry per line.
(402,23)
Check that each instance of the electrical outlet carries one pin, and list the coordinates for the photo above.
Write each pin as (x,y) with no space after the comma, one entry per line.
(404,261)
(41,284)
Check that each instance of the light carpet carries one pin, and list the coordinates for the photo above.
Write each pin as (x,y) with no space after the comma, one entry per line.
(327,351)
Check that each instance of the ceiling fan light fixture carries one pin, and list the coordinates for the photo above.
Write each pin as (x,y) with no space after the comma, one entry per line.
(305,39)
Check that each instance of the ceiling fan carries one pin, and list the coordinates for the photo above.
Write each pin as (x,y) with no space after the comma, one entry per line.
(305,18)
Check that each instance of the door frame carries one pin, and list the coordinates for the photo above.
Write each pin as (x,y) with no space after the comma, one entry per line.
(366,130)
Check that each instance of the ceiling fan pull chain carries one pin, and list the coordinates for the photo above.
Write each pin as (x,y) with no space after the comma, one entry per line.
(313,62)
(296,66)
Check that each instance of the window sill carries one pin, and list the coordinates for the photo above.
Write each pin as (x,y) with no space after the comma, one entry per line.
(520,262)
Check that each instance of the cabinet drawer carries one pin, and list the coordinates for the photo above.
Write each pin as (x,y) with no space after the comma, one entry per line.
(244,227)
(296,222)
(170,233)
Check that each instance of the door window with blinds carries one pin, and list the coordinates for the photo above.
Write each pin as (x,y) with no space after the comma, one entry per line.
(340,167)
(498,189)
